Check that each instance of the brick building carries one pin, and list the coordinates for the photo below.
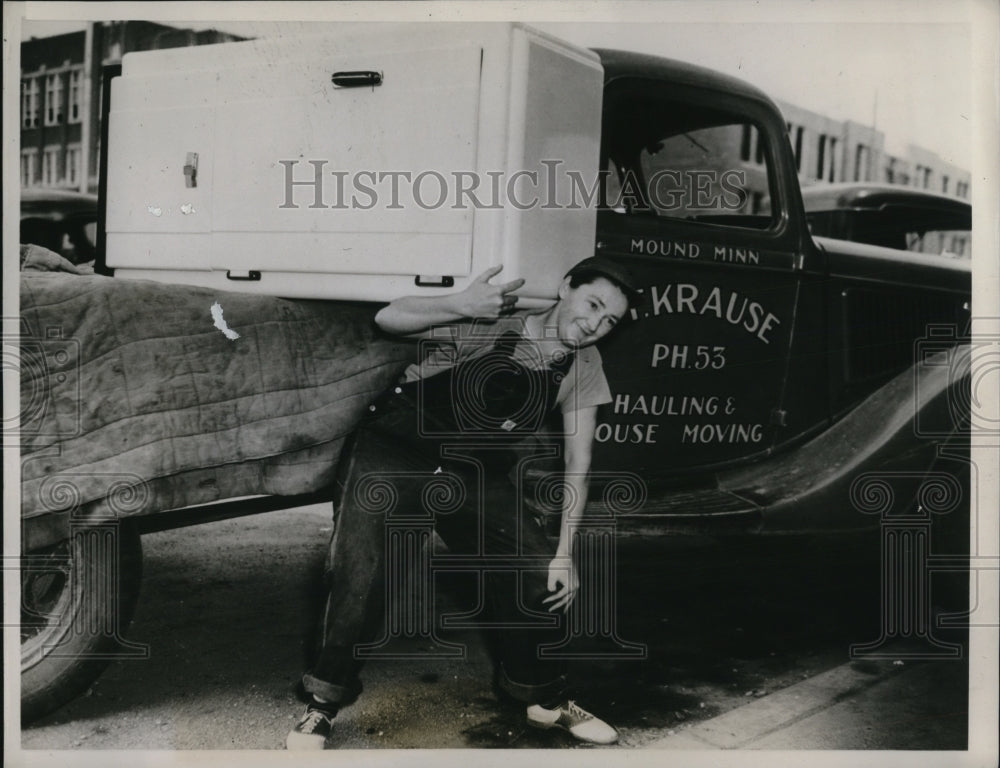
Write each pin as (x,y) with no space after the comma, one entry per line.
(844,151)
(61,95)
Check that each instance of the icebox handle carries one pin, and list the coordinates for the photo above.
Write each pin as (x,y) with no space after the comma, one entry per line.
(357,79)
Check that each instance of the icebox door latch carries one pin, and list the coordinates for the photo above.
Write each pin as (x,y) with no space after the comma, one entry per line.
(243,274)
(434,281)
(191,170)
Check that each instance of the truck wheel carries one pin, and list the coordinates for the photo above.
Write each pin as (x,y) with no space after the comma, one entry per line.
(77,598)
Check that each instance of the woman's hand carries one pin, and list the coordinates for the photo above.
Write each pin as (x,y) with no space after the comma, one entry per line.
(563,582)
(409,315)
(480,299)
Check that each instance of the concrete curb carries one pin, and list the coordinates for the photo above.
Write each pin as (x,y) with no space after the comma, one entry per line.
(741,727)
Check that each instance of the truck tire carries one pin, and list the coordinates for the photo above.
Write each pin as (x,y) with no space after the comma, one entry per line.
(77,598)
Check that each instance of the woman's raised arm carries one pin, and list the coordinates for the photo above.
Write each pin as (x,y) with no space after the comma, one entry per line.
(415,314)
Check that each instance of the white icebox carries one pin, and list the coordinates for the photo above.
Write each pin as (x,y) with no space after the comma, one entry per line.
(379,161)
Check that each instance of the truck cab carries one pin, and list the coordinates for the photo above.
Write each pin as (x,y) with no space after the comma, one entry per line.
(751,338)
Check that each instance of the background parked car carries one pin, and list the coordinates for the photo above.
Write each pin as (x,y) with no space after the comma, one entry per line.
(60,220)
(892,216)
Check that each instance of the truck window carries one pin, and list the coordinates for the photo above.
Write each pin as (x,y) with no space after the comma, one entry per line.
(684,158)
(707,175)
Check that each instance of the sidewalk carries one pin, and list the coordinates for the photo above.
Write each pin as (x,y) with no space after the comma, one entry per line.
(881,704)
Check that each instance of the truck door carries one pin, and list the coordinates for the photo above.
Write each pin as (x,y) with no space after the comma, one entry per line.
(698,376)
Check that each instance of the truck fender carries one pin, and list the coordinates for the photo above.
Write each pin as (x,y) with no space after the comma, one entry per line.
(897,430)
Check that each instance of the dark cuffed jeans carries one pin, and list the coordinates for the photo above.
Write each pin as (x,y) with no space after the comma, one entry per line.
(384,474)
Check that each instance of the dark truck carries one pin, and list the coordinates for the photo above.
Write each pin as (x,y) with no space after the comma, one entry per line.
(891,216)
(62,221)
(768,383)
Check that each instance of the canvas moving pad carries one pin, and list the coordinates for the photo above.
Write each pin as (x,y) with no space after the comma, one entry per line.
(138,397)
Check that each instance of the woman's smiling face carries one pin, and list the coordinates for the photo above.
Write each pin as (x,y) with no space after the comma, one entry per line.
(589,311)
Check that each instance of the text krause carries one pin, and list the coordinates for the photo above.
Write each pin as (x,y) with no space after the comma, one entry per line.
(722,303)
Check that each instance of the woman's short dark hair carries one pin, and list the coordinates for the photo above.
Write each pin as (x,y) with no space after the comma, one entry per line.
(587,276)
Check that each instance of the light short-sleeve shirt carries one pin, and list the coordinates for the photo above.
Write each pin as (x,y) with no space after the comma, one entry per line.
(583,386)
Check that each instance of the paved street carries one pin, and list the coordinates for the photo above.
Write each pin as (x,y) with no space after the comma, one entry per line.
(731,631)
